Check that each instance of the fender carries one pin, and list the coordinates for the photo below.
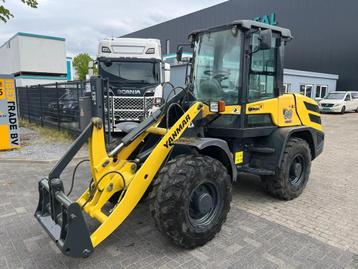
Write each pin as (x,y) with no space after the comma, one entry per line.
(213,147)
(278,140)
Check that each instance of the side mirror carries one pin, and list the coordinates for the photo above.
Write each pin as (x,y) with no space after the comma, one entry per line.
(166,72)
(265,39)
(90,68)
(179,54)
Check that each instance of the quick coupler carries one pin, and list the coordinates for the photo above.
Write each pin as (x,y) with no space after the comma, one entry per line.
(63,219)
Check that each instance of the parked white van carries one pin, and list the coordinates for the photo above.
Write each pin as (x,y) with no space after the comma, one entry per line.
(339,102)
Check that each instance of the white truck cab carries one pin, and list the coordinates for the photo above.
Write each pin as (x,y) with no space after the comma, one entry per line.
(135,71)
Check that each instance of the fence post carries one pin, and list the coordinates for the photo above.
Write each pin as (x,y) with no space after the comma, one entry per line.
(28,105)
(79,110)
(41,110)
(58,108)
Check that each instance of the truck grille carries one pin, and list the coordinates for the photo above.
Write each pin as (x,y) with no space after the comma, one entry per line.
(326,105)
(130,108)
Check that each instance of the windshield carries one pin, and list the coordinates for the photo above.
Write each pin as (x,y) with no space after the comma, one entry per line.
(69,96)
(216,66)
(335,96)
(131,72)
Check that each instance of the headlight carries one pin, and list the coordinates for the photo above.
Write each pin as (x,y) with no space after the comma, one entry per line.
(337,104)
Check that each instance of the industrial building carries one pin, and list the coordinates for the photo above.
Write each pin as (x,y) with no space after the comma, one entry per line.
(323,48)
(35,59)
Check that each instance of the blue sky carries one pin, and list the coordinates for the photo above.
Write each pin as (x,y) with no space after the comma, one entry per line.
(83,23)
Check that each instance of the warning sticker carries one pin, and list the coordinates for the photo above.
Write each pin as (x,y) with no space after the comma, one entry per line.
(239,157)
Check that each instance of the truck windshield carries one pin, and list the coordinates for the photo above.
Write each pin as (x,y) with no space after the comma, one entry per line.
(216,66)
(131,72)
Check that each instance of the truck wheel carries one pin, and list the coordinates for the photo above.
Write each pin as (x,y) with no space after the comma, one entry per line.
(190,199)
(343,110)
(294,173)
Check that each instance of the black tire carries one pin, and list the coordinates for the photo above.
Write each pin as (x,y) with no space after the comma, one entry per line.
(343,110)
(179,201)
(292,178)
(357,110)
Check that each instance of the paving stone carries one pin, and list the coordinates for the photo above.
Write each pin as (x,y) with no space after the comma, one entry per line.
(260,231)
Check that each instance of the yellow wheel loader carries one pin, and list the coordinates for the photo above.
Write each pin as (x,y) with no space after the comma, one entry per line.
(232,116)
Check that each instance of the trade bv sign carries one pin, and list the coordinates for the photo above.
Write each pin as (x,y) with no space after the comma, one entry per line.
(9,128)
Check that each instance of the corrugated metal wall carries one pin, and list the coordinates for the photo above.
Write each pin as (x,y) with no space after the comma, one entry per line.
(325,38)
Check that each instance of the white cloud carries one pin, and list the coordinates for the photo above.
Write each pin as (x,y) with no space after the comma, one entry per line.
(83,23)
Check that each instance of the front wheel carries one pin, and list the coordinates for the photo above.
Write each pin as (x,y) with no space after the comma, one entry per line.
(343,110)
(190,199)
(293,175)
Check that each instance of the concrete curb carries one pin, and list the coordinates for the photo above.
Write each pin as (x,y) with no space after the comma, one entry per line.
(36,161)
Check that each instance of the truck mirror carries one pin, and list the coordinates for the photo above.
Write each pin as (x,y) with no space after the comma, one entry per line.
(90,68)
(265,39)
(166,72)
(179,54)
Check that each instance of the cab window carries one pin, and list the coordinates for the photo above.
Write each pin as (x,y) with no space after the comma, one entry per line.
(348,97)
(263,68)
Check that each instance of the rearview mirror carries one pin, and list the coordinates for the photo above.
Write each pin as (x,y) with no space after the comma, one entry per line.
(265,39)
(90,68)
(179,54)
(166,72)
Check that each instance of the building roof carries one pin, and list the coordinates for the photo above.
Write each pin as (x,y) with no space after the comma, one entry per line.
(35,36)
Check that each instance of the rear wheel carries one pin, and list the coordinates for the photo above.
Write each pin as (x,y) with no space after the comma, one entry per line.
(190,199)
(294,173)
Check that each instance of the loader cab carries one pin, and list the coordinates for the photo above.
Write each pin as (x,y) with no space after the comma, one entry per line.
(238,64)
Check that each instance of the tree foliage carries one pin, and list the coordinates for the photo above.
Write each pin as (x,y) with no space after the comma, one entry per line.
(80,63)
(5,14)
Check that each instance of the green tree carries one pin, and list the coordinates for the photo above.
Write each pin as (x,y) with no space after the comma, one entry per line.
(80,63)
(5,14)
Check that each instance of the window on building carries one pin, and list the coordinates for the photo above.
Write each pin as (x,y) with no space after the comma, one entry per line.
(287,87)
(306,89)
(321,91)
(167,46)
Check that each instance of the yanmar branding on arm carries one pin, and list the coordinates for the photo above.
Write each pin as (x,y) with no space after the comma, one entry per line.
(9,128)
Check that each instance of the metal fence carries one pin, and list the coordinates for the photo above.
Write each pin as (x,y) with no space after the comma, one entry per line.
(54,105)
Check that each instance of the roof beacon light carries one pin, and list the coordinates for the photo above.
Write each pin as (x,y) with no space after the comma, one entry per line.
(105,49)
(150,51)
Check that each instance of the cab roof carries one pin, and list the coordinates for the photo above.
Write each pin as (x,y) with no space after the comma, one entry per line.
(249,24)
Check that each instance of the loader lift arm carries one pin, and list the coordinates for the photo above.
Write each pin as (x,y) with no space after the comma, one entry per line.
(111,173)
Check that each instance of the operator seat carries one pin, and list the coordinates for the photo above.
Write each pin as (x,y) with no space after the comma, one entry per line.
(210,89)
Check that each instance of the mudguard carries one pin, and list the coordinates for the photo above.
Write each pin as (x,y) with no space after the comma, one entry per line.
(210,146)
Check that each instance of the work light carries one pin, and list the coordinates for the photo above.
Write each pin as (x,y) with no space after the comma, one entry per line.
(106,49)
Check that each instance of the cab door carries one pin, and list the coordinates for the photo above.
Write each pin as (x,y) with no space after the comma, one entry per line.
(264,80)
(349,102)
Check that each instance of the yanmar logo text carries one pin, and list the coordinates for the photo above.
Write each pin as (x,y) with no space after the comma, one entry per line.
(176,132)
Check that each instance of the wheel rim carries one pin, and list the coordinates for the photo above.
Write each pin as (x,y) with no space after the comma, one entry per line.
(204,204)
(297,169)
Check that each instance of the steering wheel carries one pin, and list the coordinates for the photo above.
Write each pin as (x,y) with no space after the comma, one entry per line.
(219,75)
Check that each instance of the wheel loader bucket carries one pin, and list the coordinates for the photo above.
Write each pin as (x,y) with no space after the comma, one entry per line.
(63,219)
